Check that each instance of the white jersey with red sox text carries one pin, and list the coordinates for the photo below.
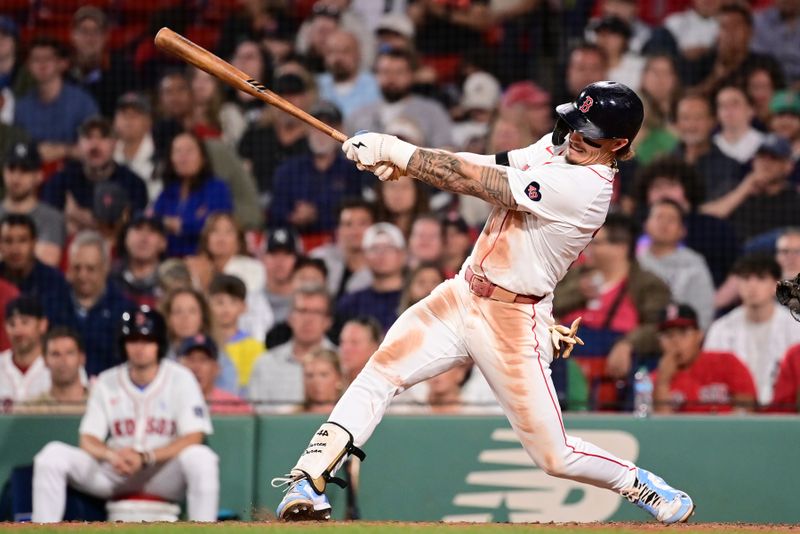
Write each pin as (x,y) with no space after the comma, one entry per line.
(559,208)
(171,406)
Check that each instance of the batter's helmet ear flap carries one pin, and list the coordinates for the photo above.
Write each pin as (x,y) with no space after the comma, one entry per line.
(560,132)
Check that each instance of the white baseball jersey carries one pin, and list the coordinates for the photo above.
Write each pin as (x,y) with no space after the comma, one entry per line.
(18,387)
(560,207)
(170,406)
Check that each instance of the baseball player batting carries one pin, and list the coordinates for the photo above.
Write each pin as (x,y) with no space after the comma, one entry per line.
(549,199)
(154,416)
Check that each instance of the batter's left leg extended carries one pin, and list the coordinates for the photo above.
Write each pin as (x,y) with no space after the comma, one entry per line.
(426,340)
(511,347)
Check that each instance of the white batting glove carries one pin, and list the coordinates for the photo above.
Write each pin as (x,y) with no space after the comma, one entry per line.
(564,339)
(370,149)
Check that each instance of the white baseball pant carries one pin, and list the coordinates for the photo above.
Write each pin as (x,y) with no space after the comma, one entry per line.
(193,473)
(510,344)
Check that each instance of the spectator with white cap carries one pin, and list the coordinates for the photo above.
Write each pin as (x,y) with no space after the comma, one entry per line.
(479,102)
(395,30)
(385,251)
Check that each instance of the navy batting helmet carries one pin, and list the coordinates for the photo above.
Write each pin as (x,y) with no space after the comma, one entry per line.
(143,323)
(603,110)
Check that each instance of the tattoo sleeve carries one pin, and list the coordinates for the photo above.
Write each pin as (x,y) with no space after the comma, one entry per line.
(449,172)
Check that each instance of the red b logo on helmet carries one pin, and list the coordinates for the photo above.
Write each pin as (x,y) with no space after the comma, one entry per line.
(587,104)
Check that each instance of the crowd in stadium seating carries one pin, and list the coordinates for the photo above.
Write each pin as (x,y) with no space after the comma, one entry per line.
(130,178)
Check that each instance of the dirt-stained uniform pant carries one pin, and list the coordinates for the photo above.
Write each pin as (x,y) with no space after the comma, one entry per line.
(510,344)
(194,473)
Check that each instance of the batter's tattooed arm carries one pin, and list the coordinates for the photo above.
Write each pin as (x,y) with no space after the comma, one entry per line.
(449,172)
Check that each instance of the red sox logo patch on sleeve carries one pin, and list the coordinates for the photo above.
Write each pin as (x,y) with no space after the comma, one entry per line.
(533,191)
(587,104)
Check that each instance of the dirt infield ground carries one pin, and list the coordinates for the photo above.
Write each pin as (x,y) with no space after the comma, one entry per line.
(398,528)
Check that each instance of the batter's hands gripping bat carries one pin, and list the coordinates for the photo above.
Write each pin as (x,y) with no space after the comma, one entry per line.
(178,45)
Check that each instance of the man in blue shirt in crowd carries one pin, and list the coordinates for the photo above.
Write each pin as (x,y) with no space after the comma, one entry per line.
(32,277)
(385,252)
(308,189)
(73,189)
(52,112)
(95,302)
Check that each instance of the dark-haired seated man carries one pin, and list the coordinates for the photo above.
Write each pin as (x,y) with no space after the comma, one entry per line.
(64,358)
(18,235)
(689,379)
(759,331)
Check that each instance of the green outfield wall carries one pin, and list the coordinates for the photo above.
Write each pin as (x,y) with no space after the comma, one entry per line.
(473,469)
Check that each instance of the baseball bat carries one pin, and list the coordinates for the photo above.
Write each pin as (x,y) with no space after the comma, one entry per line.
(178,45)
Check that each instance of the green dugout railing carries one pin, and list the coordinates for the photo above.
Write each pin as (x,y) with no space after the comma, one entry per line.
(468,468)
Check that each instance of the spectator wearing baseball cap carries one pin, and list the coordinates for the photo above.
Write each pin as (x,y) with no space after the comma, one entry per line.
(689,379)
(72,190)
(135,148)
(395,30)
(765,199)
(136,274)
(533,102)
(283,248)
(52,113)
(479,101)
(102,74)
(23,374)
(385,252)
(22,176)
(200,355)
(308,188)
(785,120)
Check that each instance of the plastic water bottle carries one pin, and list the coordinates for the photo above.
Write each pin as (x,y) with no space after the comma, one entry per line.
(642,393)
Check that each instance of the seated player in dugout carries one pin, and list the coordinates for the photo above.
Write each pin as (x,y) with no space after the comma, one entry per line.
(689,379)
(142,433)
(548,201)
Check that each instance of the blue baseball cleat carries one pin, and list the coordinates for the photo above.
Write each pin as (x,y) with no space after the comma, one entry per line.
(659,499)
(302,503)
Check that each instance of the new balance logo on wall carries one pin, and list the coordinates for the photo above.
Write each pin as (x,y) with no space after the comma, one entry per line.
(520,492)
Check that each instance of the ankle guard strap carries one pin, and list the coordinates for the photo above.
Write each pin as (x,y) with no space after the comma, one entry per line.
(325,454)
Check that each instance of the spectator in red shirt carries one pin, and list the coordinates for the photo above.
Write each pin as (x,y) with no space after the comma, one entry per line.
(691,380)
(199,354)
(786,396)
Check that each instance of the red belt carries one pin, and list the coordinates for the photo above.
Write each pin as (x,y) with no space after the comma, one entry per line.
(482,287)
